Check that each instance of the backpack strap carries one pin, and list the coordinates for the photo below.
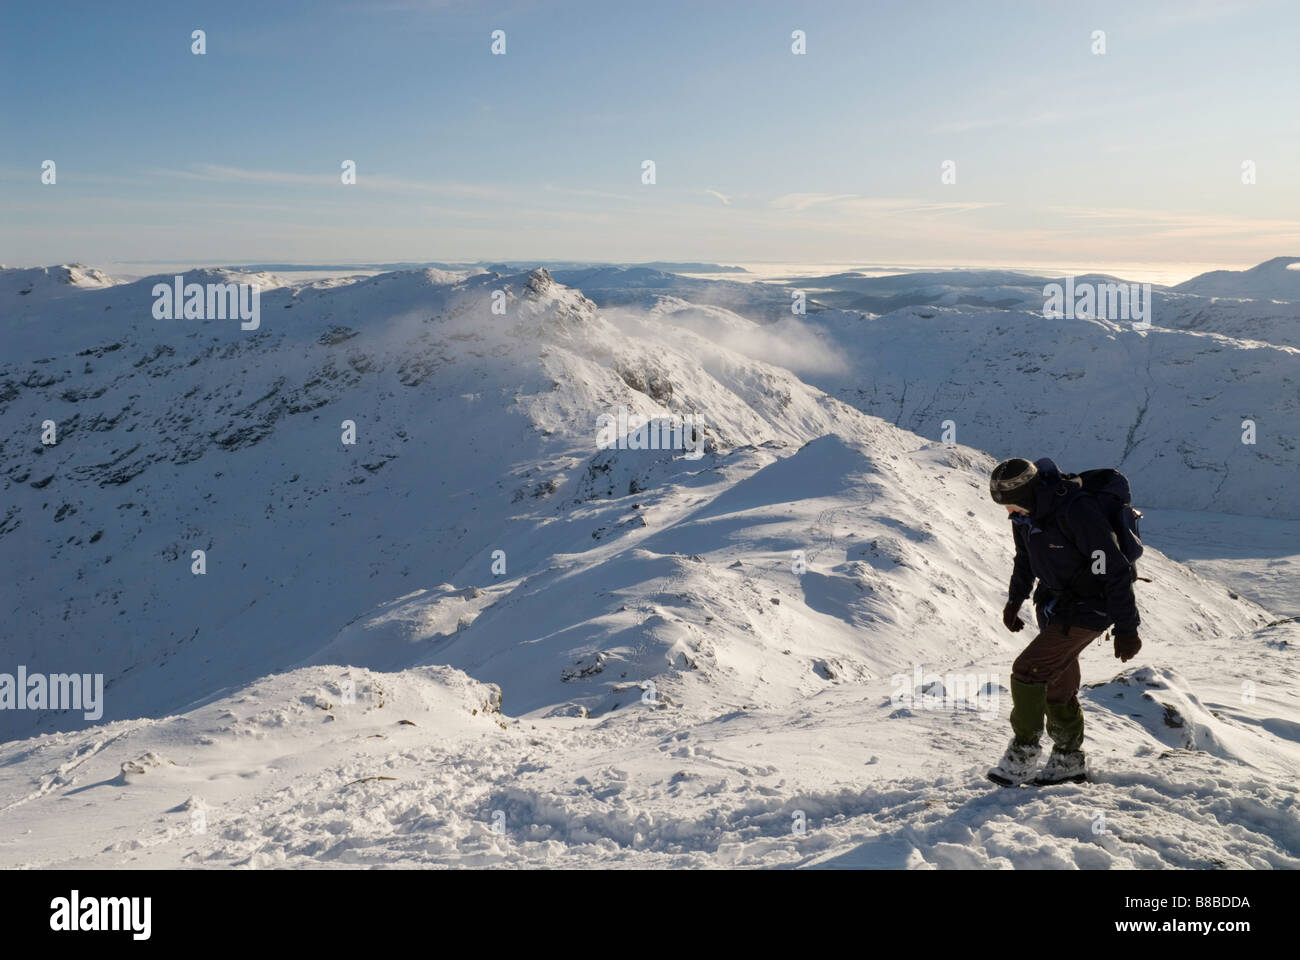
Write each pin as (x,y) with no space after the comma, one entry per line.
(1067,599)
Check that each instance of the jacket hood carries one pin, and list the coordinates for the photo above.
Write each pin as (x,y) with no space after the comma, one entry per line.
(1054,489)
(1048,472)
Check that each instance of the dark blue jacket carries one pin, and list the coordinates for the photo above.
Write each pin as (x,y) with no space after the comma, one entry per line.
(1056,544)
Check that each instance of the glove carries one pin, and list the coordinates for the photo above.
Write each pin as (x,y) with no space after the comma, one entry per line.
(1011,616)
(1127,646)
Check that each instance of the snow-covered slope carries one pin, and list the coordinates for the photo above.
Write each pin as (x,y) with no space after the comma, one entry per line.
(610,286)
(1169,405)
(682,657)
(773,734)
(345,767)
(47,285)
(176,436)
(1165,406)
(1276,279)
(1269,321)
(976,289)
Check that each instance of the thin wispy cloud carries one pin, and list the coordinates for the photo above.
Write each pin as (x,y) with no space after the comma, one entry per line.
(966,125)
(216,173)
(806,201)
(211,172)
(583,192)
(854,205)
(1187,223)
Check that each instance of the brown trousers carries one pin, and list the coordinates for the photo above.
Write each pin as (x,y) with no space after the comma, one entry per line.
(1053,658)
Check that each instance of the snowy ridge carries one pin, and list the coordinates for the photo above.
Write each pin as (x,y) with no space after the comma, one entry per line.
(243,459)
(1083,391)
(681,656)
(1276,279)
(422,771)
(1251,320)
(20,287)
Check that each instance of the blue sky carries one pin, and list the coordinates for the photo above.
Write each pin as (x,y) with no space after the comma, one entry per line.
(1061,155)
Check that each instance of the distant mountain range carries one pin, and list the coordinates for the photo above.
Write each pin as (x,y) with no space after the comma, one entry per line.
(501,266)
(1276,279)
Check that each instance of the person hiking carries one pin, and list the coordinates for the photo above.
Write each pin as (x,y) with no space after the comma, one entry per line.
(1064,540)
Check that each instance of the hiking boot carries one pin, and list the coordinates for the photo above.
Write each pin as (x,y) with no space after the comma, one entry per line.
(1064,767)
(1017,764)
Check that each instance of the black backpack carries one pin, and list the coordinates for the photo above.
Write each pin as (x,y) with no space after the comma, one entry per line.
(1111,490)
